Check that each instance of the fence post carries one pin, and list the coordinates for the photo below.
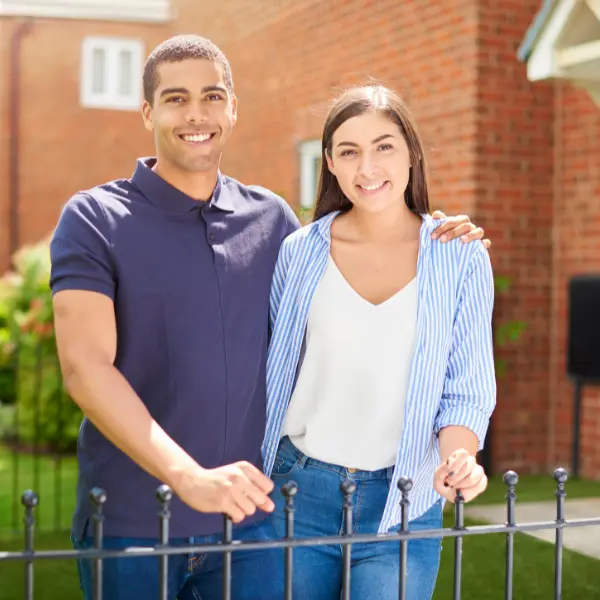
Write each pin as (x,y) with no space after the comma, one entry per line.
(347,487)
(98,497)
(29,500)
(289,491)
(405,486)
(459,523)
(227,539)
(560,476)
(510,479)
(164,495)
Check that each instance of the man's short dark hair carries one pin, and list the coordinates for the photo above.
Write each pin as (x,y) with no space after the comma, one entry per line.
(183,47)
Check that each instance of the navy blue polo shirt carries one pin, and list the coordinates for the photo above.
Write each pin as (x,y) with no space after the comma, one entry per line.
(190,283)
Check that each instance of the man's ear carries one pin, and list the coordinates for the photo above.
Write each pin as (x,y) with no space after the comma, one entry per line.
(234,106)
(147,116)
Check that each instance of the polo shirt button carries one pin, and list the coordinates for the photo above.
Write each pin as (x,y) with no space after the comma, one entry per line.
(211,237)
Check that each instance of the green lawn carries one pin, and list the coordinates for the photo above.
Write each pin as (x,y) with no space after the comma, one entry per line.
(483,556)
(537,488)
(51,478)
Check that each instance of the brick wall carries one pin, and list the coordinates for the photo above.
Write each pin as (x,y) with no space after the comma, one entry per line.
(5,33)
(576,251)
(515,195)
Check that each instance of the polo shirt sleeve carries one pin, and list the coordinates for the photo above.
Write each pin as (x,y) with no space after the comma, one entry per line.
(80,249)
(469,395)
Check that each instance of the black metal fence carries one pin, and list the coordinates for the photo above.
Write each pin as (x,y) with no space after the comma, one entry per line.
(163,550)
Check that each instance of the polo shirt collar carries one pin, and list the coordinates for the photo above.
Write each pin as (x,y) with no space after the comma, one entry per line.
(163,195)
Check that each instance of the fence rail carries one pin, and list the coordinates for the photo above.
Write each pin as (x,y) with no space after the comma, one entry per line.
(163,550)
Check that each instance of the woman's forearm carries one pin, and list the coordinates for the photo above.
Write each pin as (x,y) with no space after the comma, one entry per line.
(455,437)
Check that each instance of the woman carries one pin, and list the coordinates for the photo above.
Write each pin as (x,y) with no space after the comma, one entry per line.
(380,362)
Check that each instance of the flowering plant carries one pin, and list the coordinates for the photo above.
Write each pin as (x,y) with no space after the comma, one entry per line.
(28,353)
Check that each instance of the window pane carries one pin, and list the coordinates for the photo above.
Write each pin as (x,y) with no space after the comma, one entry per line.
(98,71)
(125,73)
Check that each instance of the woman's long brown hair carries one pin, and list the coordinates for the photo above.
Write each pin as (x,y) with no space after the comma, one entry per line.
(358,101)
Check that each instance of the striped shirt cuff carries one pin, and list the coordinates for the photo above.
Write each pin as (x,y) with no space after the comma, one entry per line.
(473,419)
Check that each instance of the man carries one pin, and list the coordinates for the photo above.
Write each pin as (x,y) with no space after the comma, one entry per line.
(160,287)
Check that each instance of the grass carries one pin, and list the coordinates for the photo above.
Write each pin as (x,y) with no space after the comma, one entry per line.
(484,568)
(53,480)
(537,488)
(483,556)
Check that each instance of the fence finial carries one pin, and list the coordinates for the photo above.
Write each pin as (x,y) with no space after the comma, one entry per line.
(289,489)
(405,485)
(98,497)
(511,478)
(561,475)
(30,499)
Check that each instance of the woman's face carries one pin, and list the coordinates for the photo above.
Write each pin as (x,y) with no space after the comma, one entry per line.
(371,161)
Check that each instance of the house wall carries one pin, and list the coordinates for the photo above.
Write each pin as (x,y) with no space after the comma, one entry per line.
(64,147)
(576,251)
(514,161)
(520,158)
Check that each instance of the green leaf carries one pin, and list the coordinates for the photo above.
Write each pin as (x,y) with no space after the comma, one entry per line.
(500,368)
(502,283)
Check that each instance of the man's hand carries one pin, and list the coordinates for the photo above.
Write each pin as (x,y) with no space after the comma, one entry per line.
(236,490)
(458,226)
(460,472)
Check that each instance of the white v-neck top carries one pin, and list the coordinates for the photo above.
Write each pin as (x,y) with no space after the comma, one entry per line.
(348,404)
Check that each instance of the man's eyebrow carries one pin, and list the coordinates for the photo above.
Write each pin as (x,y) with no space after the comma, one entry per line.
(377,139)
(178,90)
(205,90)
(214,88)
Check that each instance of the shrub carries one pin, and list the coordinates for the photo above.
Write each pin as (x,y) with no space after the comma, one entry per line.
(46,416)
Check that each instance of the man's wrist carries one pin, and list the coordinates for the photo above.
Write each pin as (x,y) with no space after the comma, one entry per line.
(182,476)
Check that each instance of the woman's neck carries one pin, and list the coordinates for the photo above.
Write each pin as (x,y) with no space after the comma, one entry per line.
(395,224)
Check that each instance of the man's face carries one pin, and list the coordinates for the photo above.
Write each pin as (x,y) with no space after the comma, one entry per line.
(192,115)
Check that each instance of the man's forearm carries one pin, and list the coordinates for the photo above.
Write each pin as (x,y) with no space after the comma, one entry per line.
(454,437)
(112,405)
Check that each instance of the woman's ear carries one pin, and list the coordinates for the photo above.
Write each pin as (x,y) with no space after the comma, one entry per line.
(329,163)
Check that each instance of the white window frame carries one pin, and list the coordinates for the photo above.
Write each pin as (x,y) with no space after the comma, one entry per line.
(110,97)
(140,11)
(310,153)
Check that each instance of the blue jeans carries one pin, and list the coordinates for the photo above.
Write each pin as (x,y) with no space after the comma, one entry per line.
(190,576)
(375,566)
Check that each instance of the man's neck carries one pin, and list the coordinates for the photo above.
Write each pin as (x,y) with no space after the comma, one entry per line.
(199,185)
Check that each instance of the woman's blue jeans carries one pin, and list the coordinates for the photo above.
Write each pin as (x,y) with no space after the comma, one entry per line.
(375,566)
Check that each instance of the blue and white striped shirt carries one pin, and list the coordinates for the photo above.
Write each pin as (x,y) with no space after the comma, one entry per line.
(452,378)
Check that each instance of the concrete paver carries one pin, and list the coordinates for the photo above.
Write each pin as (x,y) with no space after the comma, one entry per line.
(585,540)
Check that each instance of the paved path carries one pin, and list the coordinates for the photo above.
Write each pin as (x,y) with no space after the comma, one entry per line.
(585,540)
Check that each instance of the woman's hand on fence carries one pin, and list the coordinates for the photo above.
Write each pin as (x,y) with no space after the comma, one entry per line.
(460,472)
(236,490)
